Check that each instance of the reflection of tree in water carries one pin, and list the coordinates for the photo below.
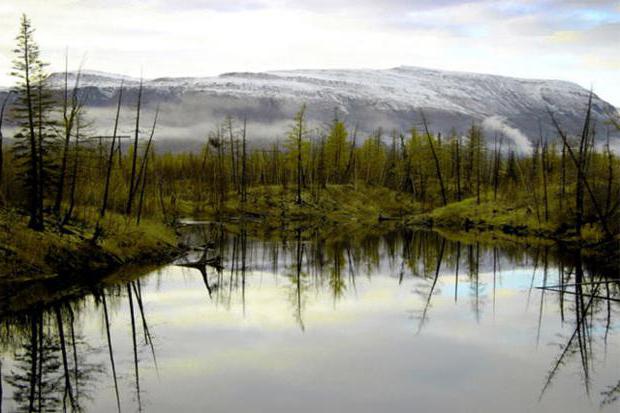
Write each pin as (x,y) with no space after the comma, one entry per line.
(313,264)
(298,281)
(611,395)
(477,287)
(337,283)
(320,262)
(582,299)
(36,377)
(50,371)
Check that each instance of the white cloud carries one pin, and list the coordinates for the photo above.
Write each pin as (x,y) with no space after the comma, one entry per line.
(497,124)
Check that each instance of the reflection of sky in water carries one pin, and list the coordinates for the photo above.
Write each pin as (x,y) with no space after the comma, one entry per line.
(364,351)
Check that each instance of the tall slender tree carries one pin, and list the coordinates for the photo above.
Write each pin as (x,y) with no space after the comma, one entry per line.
(70,110)
(133,182)
(5,103)
(296,148)
(31,110)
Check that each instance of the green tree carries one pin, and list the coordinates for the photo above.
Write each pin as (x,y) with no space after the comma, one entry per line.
(297,146)
(34,145)
(337,152)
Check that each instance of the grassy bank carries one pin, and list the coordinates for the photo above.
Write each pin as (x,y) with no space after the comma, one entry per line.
(336,204)
(341,208)
(337,211)
(508,217)
(71,251)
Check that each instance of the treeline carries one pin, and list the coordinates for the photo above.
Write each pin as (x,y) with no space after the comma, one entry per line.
(57,165)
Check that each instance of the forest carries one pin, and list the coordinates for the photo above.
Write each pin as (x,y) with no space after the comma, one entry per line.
(464,269)
(60,181)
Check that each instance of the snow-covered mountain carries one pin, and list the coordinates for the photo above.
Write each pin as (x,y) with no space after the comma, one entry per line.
(368,99)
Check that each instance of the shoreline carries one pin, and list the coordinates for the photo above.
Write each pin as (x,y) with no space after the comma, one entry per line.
(29,256)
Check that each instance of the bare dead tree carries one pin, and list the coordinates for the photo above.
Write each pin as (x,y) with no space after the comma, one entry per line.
(459,191)
(70,112)
(134,159)
(233,161)
(110,162)
(544,169)
(74,175)
(436,159)
(144,165)
(5,102)
(244,188)
(579,165)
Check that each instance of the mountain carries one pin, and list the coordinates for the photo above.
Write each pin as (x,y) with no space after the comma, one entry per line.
(391,99)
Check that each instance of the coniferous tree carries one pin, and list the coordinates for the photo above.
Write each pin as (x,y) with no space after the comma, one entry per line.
(336,151)
(32,109)
(297,147)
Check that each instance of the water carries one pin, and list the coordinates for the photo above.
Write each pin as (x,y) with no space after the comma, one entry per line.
(360,323)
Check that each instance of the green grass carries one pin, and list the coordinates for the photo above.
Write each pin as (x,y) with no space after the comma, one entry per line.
(514,217)
(32,254)
(335,203)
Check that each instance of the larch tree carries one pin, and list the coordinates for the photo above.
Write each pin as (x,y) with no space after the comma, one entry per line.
(32,110)
(296,146)
(336,151)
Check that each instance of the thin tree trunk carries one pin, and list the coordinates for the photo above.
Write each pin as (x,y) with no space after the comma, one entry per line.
(40,152)
(110,350)
(233,162)
(35,222)
(74,176)
(34,351)
(244,184)
(135,347)
(134,160)
(610,178)
(601,217)
(544,169)
(478,166)
(65,363)
(298,199)
(110,163)
(562,177)
(459,193)
(69,115)
(143,188)
(143,165)
(4,104)
(436,159)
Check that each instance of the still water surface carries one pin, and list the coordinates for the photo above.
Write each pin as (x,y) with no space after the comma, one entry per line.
(374,323)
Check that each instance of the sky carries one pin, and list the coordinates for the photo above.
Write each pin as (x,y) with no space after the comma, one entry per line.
(570,40)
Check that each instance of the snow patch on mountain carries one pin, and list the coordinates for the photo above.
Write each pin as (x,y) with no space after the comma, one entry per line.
(367,98)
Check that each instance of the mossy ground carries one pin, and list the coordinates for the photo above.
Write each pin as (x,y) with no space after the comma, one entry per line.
(507,217)
(29,254)
(344,204)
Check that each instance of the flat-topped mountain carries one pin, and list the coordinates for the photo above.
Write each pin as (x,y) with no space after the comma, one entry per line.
(369,99)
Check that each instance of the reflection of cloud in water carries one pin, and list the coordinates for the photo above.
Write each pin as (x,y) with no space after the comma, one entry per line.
(242,348)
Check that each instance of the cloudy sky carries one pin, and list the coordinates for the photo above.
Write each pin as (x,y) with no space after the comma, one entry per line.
(560,39)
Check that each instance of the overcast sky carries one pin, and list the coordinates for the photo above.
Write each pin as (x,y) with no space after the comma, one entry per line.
(560,39)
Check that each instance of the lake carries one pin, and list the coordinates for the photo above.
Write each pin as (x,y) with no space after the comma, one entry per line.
(388,321)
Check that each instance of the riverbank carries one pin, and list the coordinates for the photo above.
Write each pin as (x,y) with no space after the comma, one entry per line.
(28,255)
(335,212)
(343,210)
(366,206)
(337,204)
